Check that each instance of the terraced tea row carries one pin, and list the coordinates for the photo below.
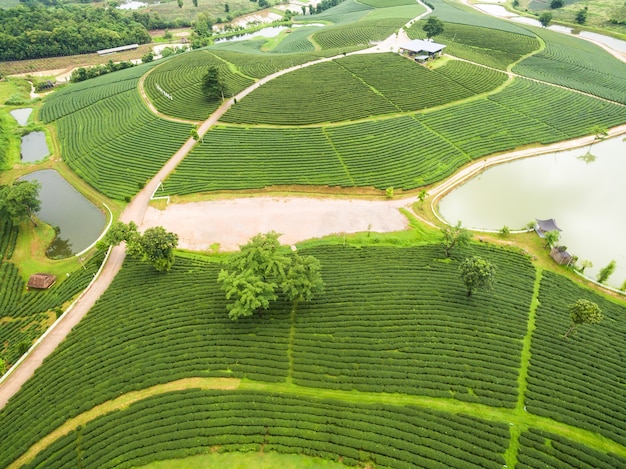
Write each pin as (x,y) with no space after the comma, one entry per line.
(189,422)
(576,64)
(118,135)
(579,381)
(401,152)
(357,87)
(542,449)
(79,96)
(181,79)
(420,338)
(26,315)
(483,45)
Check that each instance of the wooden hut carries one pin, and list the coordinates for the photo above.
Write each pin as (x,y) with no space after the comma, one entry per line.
(561,256)
(41,281)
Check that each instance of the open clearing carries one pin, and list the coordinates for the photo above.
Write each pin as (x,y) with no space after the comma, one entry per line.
(233,222)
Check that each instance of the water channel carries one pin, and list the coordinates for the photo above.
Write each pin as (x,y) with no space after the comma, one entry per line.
(583,190)
(79,222)
(34,147)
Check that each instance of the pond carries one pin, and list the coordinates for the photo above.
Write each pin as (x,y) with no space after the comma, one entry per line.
(271,31)
(79,221)
(22,115)
(34,147)
(583,191)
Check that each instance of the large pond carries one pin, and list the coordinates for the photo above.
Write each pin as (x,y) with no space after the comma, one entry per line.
(34,147)
(79,222)
(21,115)
(584,191)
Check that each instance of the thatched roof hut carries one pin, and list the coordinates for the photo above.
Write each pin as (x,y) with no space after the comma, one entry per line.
(41,281)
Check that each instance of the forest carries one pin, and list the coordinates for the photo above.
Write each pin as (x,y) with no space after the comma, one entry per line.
(37,32)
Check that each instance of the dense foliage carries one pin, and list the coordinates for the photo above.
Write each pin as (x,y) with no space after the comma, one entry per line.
(34,32)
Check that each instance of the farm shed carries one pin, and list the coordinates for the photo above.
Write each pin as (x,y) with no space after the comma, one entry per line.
(41,281)
(422,50)
(118,49)
(543,226)
(561,256)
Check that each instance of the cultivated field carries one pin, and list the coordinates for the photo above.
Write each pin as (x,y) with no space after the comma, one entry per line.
(393,365)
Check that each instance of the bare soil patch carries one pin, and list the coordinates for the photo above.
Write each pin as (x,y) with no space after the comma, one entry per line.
(233,222)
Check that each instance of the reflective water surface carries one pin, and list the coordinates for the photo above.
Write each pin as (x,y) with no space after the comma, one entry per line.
(79,221)
(583,189)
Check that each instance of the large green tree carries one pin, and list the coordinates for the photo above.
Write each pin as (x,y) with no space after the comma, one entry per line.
(155,245)
(433,27)
(261,270)
(455,236)
(477,273)
(583,312)
(545,18)
(20,200)
(213,86)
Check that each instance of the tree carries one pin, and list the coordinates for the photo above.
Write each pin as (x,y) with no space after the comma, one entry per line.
(551,237)
(261,270)
(476,273)
(180,3)
(195,3)
(581,15)
(545,19)
(584,264)
(606,272)
(155,246)
(20,200)
(146,58)
(455,236)
(554,4)
(583,312)
(303,280)
(433,27)
(421,196)
(212,85)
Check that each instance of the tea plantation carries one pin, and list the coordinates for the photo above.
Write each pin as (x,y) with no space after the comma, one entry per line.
(392,365)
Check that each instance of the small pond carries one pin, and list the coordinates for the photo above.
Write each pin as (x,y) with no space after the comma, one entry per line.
(34,147)
(583,190)
(79,221)
(22,115)
(271,31)
(133,5)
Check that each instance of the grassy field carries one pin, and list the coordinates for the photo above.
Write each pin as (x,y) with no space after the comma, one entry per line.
(599,13)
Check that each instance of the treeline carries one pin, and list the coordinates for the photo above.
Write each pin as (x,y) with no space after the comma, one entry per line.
(85,73)
(37,32)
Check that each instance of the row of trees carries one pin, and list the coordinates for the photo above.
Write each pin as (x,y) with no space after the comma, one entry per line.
(85,73)
(29,33)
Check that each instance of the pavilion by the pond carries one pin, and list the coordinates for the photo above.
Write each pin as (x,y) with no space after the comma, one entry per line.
(543,226)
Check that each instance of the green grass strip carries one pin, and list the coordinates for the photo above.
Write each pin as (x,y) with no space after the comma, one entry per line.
(510,455)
